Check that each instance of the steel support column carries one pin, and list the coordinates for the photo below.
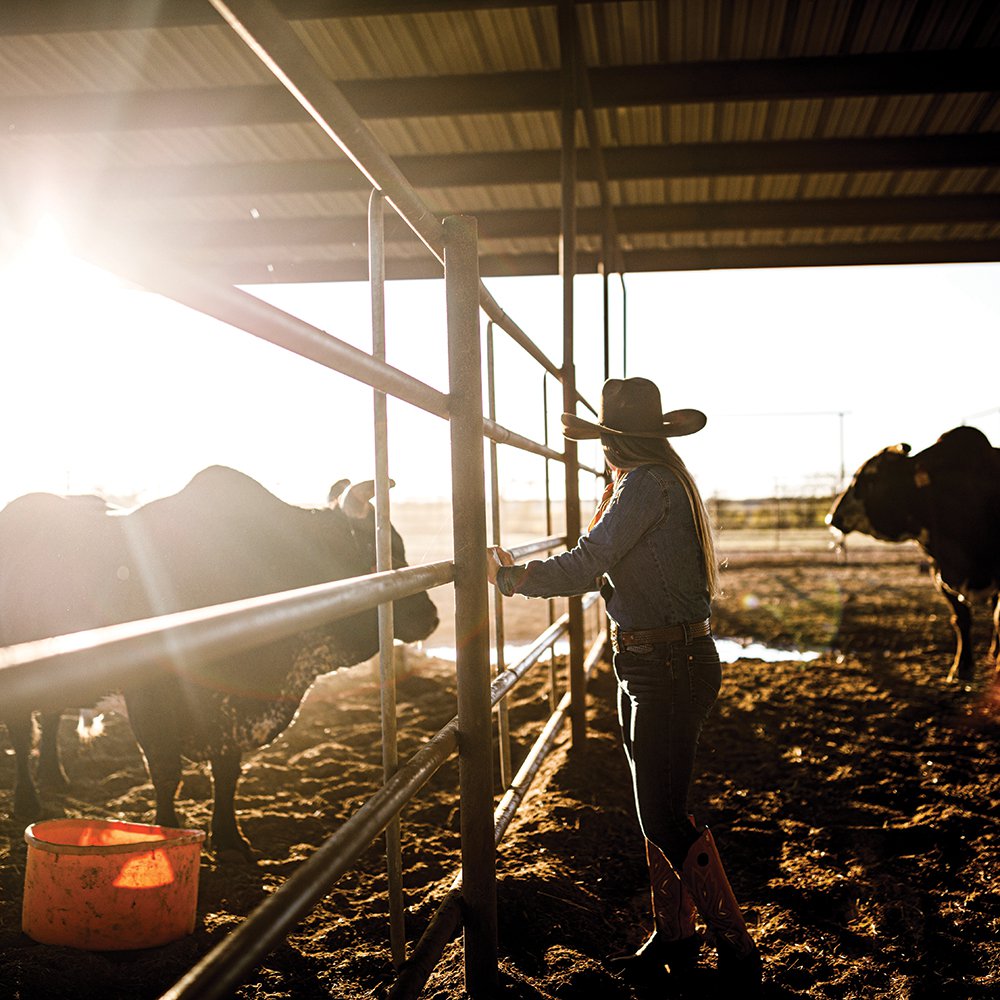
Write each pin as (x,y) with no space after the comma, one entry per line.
(567,270)
(472,640)
(383,557)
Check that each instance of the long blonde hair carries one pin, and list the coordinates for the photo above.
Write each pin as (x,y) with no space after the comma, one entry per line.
(630,452)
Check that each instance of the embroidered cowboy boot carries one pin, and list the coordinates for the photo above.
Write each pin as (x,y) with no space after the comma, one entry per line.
(705,878)
(674,942)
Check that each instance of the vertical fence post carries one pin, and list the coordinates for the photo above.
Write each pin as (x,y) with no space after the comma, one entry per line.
(553,671)
(503,714)
(607,308)
(383,561)
(479,892)
(624,328)
(567,269)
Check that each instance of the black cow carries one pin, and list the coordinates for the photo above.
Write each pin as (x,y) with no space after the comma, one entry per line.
(69,563)
(947,498)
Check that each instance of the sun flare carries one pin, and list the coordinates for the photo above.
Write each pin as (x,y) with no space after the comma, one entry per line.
(42,274)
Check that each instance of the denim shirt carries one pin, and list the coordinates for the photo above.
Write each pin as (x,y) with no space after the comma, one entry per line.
(646,545)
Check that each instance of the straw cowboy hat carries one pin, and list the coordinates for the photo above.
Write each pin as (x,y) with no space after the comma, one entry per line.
(631,407)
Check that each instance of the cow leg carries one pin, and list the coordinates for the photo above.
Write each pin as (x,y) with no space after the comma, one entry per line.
(50,768)
(226,835)
(27,805)
(149,712)
(962,667)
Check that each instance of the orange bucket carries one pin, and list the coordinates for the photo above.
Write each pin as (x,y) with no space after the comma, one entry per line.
(108,886)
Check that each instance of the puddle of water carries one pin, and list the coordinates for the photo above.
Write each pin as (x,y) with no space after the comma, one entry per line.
(730,650)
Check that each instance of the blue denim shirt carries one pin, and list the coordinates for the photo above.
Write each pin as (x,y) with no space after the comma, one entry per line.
(647,547)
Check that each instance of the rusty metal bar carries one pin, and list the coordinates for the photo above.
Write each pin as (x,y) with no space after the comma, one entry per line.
(228,964)
(383,562)
(73,666)
(472,664)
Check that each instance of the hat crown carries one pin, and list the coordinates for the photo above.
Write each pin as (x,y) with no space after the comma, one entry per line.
(631,405)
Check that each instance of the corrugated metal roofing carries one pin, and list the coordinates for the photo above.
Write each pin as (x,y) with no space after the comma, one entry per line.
(734,132)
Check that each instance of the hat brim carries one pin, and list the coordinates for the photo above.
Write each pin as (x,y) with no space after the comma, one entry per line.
(676,423)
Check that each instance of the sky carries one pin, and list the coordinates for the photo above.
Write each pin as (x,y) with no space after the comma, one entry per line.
(801,371)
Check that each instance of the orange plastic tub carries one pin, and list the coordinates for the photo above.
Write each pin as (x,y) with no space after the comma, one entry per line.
(108,886)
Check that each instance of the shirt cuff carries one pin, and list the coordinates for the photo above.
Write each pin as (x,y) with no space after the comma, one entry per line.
(508,577)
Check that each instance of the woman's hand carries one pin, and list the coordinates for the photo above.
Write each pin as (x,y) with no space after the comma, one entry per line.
(495,558)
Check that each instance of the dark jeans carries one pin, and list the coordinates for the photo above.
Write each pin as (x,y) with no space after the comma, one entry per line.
(665,692)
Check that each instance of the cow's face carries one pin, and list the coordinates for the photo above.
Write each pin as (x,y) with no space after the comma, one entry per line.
(878,502)
(415,616)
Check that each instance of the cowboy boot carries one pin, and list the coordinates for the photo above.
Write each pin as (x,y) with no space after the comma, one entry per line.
(674,942)
(705,878)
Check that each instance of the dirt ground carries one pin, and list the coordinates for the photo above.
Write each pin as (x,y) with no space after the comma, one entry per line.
(855,799)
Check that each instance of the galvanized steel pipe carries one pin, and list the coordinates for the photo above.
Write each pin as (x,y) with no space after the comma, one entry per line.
(71,667)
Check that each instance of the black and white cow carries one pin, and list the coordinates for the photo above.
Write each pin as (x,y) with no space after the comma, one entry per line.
(947,498)
(69,563)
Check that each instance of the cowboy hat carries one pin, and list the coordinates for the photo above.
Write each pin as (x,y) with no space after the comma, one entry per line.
(631,407)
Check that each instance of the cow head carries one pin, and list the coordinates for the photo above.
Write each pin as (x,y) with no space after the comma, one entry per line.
(415,616)
(880,498)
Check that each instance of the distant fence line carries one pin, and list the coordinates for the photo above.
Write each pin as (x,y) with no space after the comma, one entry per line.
(769,513)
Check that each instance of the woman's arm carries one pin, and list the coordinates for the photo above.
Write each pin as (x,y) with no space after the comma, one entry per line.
(636,507)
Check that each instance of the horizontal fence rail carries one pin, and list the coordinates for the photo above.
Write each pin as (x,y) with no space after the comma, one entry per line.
(76,665)
(540,545)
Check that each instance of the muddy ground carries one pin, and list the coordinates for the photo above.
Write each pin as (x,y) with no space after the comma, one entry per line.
(855,799)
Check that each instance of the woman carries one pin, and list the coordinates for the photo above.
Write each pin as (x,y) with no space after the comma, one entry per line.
(649,550)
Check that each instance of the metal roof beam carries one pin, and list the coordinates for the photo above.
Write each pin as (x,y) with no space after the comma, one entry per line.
(33,16)
(531,167)
(610,246)
(687,259)
(633,219)
(973,71)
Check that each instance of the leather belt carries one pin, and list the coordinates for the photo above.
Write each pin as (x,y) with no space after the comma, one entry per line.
(685,632)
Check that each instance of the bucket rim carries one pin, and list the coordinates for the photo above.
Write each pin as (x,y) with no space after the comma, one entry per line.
(180,837)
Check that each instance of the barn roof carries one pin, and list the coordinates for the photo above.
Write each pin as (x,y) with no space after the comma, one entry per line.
(711,133)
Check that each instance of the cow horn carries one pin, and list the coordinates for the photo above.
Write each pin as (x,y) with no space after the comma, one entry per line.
(338,487)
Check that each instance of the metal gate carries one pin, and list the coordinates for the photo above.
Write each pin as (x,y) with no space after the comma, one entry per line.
(117,654)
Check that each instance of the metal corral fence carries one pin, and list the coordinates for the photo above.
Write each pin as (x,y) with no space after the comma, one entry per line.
(134,651)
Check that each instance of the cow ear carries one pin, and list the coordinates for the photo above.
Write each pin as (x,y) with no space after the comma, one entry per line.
(338,487)
(905,449)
